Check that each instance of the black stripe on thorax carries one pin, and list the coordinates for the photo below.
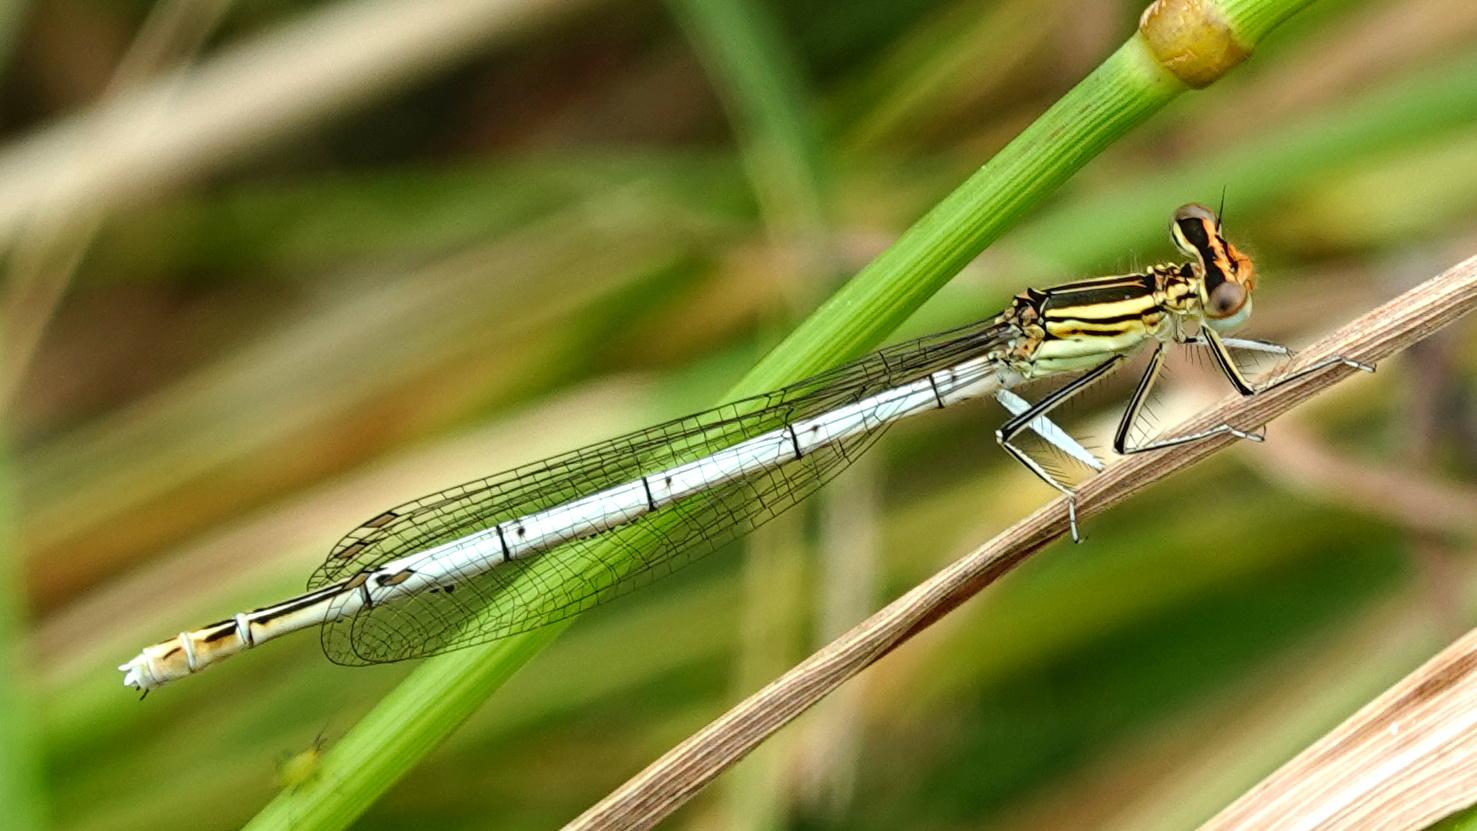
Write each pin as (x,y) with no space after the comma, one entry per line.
(1090,293)
(1065,316)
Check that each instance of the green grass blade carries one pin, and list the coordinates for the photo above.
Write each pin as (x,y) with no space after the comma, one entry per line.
(763,93)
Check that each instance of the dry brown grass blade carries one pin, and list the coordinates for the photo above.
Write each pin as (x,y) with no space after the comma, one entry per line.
(1404,761)
(328,62)
(1306,465)
(44,261)
(671,780)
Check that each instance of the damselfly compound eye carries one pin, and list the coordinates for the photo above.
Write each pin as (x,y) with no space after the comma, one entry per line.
(1195,212)
(1226,299)
(1194,231)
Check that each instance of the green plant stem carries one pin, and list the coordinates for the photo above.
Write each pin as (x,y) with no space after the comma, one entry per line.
(1120,94)
(1252,20)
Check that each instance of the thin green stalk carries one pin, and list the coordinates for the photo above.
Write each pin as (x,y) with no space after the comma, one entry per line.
(1120,94)
(1253,20)
(763,94)
(950,58)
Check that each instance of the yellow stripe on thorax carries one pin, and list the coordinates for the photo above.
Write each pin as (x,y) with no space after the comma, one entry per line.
(1088,321)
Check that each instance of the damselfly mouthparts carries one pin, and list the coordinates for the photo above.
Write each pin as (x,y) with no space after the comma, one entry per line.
(539,543)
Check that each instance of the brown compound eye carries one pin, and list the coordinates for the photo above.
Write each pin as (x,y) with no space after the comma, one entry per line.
(1195,231)
(1226,299)
(1196,213)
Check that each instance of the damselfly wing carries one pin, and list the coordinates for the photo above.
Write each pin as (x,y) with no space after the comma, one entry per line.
(497,599)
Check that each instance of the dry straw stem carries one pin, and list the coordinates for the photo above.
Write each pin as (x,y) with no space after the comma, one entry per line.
(1406,760)
(671,780)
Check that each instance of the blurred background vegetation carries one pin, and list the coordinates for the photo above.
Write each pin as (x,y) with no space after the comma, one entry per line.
(273,267)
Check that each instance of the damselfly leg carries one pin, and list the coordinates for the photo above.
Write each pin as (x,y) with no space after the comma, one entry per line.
(1039,410)
(1251,345)
(1034,416)
(1049,431)
(1136,405)
(1220,349)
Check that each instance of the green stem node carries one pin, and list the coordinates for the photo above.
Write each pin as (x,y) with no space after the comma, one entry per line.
(1192,39)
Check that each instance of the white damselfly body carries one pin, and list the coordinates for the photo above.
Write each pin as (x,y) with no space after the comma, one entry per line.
(539,543)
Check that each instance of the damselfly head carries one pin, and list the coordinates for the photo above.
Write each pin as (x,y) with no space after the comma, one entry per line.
(1227,276)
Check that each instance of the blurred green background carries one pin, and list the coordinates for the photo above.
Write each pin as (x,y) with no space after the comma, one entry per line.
(274,267)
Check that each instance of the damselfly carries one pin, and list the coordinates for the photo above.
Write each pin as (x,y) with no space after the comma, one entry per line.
(539,543)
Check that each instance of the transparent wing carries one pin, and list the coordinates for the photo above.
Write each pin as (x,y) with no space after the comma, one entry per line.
(524,594)
(477,505)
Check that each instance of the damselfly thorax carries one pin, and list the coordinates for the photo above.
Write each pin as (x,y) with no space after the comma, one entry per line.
(541,542)
(1074,326)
